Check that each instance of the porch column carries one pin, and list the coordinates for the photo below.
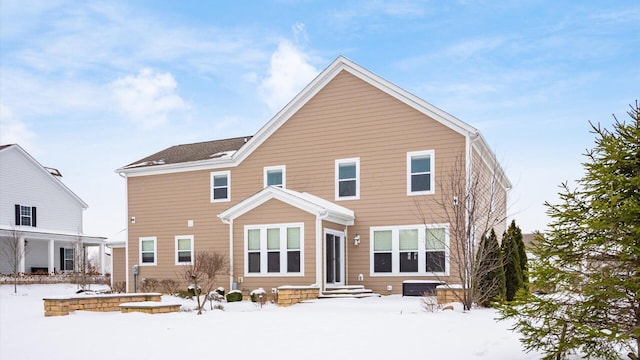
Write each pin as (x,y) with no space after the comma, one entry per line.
(21,250)
(51,262)
(101,258)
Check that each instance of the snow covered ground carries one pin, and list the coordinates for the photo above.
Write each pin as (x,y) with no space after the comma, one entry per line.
(389,327)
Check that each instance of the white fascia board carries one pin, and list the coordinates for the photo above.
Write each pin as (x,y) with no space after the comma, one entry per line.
(263,196)
(302,201)
(59,183)
(44,234)
(209,164)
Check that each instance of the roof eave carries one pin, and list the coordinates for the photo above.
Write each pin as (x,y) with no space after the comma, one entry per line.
(206,164)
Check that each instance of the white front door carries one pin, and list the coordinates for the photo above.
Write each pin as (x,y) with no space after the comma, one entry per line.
(334,258)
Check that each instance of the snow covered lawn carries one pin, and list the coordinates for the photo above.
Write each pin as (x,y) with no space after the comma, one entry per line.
(390,327)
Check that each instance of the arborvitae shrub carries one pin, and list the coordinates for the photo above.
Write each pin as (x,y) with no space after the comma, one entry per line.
(234,296)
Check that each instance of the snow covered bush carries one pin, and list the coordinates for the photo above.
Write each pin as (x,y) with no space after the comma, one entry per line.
(259,295)
(234,295)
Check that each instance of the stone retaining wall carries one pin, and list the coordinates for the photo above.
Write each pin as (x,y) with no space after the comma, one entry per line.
(149,307)
(289,295)
(449,293)
(60,306)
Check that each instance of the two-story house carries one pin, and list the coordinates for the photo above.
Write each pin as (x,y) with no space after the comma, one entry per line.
(344,186)
(40,218)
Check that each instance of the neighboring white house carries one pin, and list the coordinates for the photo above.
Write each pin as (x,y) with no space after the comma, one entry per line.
(43,214)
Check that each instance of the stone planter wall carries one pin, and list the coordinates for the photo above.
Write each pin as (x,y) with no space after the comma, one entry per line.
(60,306)
(289,295)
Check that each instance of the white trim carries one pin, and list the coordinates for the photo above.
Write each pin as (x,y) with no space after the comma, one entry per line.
(155,250)
(184,237)
(395,250)
(338,162)
(283,170)
(226,173)
(264,271)
(432,171)
(303,201)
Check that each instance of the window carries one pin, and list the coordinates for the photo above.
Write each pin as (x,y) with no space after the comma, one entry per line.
(67,259)
(220,186)
(148,251)
(275,176)
(184,249)
(382,251)
(409,250)
(435,250)
(420,165)
(274,250)
(347,173)
(25,215)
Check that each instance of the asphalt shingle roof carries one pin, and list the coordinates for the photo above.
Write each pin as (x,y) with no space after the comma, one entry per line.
(192,152)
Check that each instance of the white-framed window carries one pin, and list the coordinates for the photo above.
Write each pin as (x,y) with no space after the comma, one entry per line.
(274,250)
(275,176)
(410,250)
(67,261)
(420,172)
(347,179)
(221,186)
(184,249)
(25,215)
(148,250)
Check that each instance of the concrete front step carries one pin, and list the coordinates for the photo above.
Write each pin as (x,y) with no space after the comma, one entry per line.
(347,296)
(347,291)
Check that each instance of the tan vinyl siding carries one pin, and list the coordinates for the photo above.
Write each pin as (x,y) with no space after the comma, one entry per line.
(118,265)
(162,206)
(348,118)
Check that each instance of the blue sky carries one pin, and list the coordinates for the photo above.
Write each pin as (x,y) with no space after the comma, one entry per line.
(88,87)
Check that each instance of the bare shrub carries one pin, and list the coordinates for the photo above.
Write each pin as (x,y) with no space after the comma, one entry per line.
(169,286)
(202,272)
(429,303)
(119,287)
(149,285)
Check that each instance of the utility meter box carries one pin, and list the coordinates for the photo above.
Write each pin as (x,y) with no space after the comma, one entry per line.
(135,269)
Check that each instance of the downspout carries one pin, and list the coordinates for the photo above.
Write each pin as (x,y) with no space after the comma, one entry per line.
(230,223)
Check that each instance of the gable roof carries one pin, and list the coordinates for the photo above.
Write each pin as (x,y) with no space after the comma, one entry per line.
(44,170)
(303,201)
(338,65)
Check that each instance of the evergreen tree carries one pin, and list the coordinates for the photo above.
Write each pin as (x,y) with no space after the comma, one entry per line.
(511,261)
(590,257)
(491,282)
(522,253)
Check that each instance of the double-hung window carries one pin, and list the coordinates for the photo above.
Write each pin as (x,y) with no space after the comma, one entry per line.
(274,250)
(148,248)
(275,176)
(347,175)
(67,259)
(184,249)
(420,169)
(220,186)
(409,250)
(25,215)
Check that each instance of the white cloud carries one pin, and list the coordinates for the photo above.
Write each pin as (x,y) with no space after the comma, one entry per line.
(14,131)
(148,97)
(289,71)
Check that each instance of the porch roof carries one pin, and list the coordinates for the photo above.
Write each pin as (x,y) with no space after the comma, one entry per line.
(301,200)
(45,234)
